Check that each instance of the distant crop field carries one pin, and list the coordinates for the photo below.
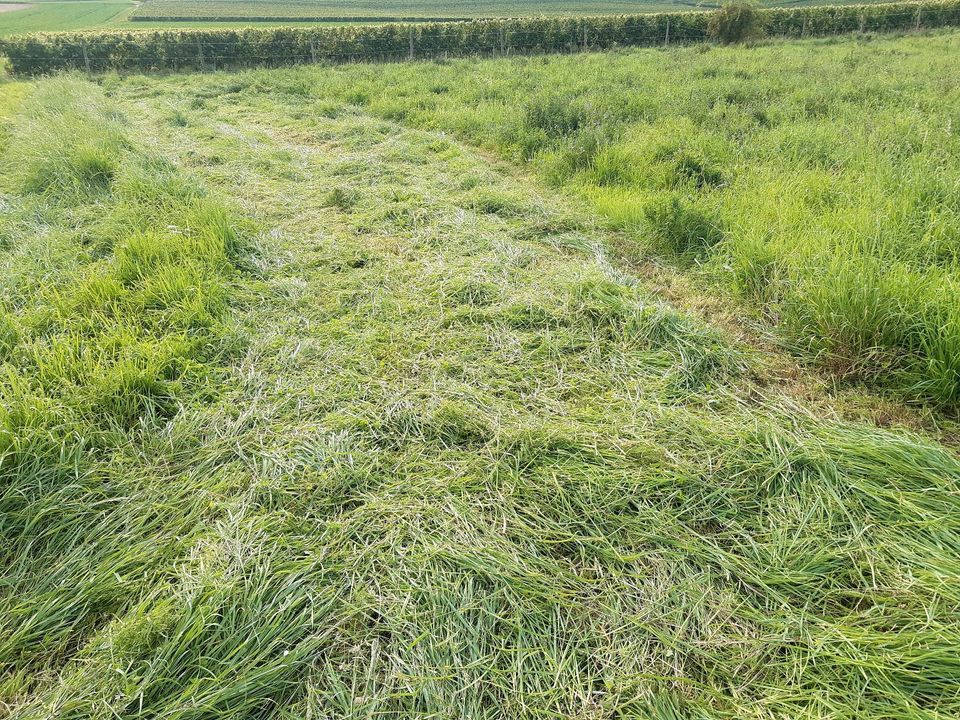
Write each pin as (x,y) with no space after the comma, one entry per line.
(68,15)
(427,9)
(354,10)
(65,15)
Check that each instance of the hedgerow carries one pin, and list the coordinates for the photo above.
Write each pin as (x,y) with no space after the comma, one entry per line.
(273,47)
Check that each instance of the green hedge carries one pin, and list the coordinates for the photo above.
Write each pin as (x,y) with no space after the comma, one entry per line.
(828,20)
(215,49)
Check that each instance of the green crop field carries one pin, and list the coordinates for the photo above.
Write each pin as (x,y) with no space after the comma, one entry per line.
(53,16)
(351,9)
(62,15)
(604,385)
(396,8)
(56,15)
(68,15)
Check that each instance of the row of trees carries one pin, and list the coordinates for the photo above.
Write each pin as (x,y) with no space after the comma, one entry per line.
(214,49)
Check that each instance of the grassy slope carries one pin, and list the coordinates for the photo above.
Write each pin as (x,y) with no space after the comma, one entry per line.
(833,207)
(465,468)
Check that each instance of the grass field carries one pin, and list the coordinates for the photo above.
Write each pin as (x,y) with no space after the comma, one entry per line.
(378,391)
(56,15)
(833,208)
(68,15)
(397,8)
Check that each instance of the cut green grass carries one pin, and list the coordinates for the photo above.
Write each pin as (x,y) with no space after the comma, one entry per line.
(465,467)
(830,208)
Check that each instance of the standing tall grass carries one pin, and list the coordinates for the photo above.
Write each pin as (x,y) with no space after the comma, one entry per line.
(116,275)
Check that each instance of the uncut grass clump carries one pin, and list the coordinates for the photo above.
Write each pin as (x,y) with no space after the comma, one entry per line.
(682,229)
(110,328)
(67,143)
(134,312)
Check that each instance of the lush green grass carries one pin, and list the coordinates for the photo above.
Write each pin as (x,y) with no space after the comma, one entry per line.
(117,272)
(832,207)
(68,15)
(428,452)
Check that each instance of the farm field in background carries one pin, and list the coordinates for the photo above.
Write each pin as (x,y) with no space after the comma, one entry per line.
(56,15)
(68,15)
(609,385)
(53,16)
(397,8)
(92,15)
(423,8)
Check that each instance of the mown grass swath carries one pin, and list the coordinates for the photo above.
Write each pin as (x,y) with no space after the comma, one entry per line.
(833,207)
(234,48)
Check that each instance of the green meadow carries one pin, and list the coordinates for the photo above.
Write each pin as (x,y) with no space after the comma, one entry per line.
(49,16)
(817,184)
(603,386)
